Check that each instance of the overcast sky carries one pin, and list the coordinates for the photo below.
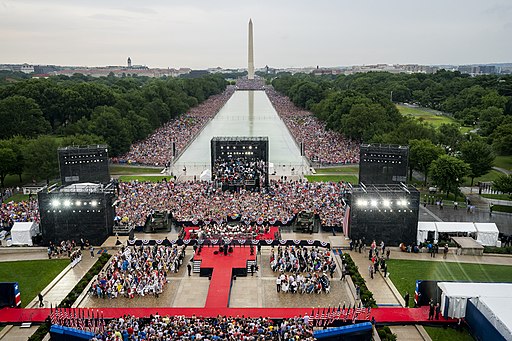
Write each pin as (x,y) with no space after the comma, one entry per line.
(287,33)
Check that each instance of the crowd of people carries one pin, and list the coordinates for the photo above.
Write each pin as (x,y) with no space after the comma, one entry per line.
(138,271)
(196,201)
(232,231)
(320,145)
(298,259)
(157,149)
(237,171)
(198,328)
(303,284)
(22,211)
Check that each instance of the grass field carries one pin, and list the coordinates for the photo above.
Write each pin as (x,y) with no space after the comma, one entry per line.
(332,178)
(429,117)
(497,196)
(504,162)
(344,170)
(127,170)
(143,177)
(502,208)
(18,197)
(32,276)
(491,176)
(442,334)
(404,273)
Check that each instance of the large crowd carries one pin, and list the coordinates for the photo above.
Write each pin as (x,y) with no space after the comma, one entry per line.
(237,171)
(23,211)
(320,144)
(196,202)
(232,231)
(138,271)
(157,149)
(199,328)
(297,259)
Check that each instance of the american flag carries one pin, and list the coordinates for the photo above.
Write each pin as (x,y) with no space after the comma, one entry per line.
(368,312)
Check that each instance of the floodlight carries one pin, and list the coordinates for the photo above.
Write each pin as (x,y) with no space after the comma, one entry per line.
(55,203)
(94,203)
(78,203)
(386,202)
(374,202)
(67,203)
(361,202)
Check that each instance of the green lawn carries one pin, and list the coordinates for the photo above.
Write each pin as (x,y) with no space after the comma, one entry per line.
(344,170)
(332,178)
(18,197)
(503,162)
(497,196)
(32,276)
(448,333)
(426,116)
(144,177)
(502,208)
(404,273)
(491,176)
(127,170)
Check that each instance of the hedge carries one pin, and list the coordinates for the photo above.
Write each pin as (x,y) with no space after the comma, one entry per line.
(365,294)
(68,301)
(385,334)
(501,250)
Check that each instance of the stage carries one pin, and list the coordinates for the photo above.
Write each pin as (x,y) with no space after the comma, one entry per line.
(270,235)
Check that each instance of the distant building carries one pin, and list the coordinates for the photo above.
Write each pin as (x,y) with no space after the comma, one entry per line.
(129,63)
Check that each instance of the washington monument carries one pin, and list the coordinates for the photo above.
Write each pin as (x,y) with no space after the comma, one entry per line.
(250,66)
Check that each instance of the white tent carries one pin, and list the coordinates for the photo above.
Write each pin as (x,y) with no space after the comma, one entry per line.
(497,311)
(206,175)
(22,233)
(487,233)
(454,227)
(455,295)
(424,227)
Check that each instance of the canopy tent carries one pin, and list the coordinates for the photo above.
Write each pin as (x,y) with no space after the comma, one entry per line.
(206,175)
(454,295)
(487,233)
(455,227)
(22,233)
(496,310)
(424,227)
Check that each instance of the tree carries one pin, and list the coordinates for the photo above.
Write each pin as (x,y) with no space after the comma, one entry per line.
(502,139)
(7,162)
(107,122)
(17,144)
(41,158)
(421,155)
(447,173)
(503,183)
(450,136)
(21,116)
(478,155)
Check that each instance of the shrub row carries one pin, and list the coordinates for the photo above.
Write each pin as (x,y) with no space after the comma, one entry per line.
(68,301)
(501,250)
(385,334)
(365,294)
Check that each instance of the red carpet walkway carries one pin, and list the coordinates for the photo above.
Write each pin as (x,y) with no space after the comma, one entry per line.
(220,285)
(382,315)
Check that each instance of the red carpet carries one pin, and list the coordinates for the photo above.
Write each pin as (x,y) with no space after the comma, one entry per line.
(220,285)
(269,235)
(382,315)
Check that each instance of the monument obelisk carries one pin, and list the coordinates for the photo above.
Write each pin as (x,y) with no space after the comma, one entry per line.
(250,66)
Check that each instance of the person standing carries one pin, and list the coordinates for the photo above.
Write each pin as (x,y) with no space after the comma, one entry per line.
(445,252)
(438,311)
(406,299)
(189,268)
(91,249)
(40,297)
(278,283)
(431,310)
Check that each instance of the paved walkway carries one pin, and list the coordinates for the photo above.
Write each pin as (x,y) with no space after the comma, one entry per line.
(385,294)
(8,256)
(62,285)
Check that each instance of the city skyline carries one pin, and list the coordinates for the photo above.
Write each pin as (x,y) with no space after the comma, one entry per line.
(287,34)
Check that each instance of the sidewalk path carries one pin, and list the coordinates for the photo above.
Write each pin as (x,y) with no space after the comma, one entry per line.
(62,285)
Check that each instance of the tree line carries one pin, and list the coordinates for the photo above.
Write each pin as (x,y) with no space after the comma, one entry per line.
(39,115)
(362,107)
